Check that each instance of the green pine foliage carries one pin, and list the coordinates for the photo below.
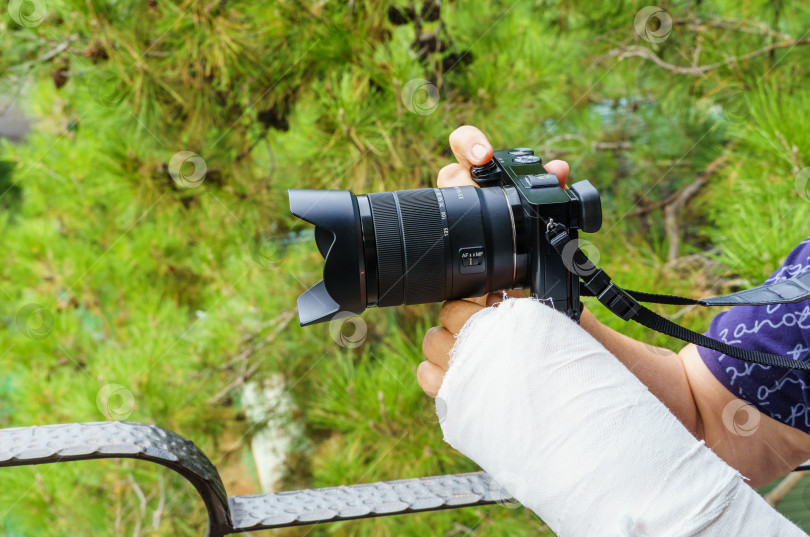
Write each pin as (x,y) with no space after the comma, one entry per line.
(116,274)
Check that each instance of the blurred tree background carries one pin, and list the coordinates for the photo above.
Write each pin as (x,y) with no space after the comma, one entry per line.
(152,267)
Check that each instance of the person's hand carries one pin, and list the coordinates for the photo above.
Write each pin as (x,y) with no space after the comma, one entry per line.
(471,148)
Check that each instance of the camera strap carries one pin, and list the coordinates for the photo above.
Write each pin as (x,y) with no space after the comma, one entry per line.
(625,303)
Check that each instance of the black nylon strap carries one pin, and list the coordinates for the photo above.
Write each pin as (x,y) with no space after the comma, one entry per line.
(653,298)
(652,320)
(788,291)
(624,303)
(662,299)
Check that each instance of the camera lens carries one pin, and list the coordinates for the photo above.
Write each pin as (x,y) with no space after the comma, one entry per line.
(411,246)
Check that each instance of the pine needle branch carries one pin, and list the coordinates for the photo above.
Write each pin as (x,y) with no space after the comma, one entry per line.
(644,53)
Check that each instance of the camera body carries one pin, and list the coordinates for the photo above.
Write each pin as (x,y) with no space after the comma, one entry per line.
(543,201)
(434,244)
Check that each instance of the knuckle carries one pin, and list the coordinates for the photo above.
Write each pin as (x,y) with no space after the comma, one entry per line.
(446,311)
(432,341)
(433,331)
(423,375)
(465,136)
(427,339)
(451,309)
(429,380)
(420,372)
(457,134)
(463,133)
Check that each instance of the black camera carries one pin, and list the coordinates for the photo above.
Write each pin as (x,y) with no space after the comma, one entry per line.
(434,244)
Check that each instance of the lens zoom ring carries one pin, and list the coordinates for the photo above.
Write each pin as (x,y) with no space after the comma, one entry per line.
(424,246)
(389,249)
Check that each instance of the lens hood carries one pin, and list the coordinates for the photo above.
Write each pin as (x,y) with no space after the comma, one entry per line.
(338,234)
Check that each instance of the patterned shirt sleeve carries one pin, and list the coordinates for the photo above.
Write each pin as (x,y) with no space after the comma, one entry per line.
(782,329)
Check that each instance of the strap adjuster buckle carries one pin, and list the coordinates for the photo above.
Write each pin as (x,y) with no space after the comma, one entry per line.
(619,302)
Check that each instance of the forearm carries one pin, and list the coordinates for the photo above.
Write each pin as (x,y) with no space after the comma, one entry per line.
(577,438)
(689,390)
(661,370)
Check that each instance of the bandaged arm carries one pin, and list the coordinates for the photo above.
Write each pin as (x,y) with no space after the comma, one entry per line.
(573,435)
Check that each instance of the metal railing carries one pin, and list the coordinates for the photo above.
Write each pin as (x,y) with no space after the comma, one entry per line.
(47,444)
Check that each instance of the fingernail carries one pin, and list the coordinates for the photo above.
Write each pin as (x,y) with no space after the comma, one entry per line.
(479,151)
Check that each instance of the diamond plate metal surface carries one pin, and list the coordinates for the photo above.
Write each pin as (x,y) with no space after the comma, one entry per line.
(45,444)
(21,446)
(333,504)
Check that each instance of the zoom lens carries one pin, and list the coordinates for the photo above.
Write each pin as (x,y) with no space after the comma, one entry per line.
(411,246)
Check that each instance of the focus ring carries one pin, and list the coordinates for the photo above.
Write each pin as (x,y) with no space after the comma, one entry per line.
(389,249)
(423,232)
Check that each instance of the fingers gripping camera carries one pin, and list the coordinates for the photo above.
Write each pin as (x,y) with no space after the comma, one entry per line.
(435,244)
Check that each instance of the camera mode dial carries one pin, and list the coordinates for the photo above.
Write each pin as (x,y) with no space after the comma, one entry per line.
(487,174)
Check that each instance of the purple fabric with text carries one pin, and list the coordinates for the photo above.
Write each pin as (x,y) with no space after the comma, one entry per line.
(783,329)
